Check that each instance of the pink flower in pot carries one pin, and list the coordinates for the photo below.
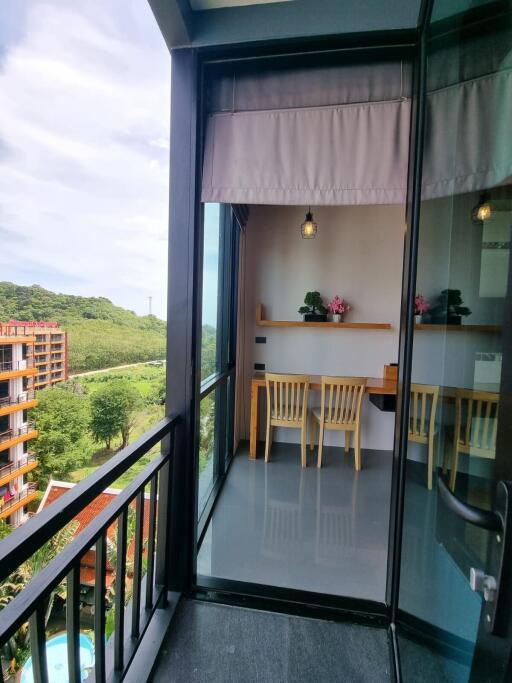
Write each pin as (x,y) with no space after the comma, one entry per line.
(337,307)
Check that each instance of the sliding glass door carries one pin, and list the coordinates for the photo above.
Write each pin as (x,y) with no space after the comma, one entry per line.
(456,576)
(217,351)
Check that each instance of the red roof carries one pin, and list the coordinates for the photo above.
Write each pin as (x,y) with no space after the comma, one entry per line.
(56,489)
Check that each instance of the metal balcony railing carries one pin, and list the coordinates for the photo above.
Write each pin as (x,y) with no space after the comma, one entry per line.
(16,330)
(11,467)
(27,491)
(9,365)
(25,429)
(25,396)
(148,593)
(5,436)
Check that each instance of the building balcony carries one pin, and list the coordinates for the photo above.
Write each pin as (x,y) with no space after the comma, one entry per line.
(13,470)
(12,437)
(16,334)
(11,404)
(10,503)
(20,368)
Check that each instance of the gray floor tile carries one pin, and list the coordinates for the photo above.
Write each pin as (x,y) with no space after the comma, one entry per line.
(322,530)
(210,643)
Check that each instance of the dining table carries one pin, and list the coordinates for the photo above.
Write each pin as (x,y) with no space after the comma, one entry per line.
(383,386)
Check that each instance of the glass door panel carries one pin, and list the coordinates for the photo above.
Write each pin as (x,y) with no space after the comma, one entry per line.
(218,343)
(463,299)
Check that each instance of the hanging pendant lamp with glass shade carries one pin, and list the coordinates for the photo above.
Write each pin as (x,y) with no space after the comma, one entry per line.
(309,228)
(483,210)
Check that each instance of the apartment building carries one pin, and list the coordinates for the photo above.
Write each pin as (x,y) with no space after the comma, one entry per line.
(49,351)
(17,375)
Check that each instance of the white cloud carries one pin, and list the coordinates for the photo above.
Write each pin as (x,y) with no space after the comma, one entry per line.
(84,119)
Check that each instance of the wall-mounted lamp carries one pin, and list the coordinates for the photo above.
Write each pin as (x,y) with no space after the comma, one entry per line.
(309,228)
(483,210)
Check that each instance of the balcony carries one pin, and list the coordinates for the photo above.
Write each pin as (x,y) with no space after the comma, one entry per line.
(11,437)
(17,500)
(144,546)
(12,470)
(11,404)
(16,334)
(20,368)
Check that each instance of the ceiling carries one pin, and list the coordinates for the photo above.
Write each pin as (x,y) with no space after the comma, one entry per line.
(218,4)
(207,23)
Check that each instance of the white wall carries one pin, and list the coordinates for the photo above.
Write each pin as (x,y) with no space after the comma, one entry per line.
(357,254)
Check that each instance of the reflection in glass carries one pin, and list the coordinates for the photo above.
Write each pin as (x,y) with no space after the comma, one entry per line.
(207,446)
(462,271)
(211,255)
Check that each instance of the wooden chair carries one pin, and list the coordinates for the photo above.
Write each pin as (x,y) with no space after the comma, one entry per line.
(340,408)
(476,423)
(422,421)
(287,406)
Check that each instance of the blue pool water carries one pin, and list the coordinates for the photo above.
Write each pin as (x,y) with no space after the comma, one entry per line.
(57,657)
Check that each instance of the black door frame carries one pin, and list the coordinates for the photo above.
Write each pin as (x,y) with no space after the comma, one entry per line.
(399,46)
(184,321)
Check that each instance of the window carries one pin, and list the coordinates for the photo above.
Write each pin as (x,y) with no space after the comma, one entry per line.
(218,344)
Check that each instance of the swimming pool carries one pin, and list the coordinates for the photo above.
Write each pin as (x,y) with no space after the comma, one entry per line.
(57,657)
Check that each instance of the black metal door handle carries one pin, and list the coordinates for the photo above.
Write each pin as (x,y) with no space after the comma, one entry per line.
(495,608)
(486,519)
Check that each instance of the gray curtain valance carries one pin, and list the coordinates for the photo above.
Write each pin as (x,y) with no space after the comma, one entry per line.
(305,137)
(350,154)
(468,143)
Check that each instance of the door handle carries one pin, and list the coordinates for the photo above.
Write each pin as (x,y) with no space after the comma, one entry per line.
(499,523)
(486,519)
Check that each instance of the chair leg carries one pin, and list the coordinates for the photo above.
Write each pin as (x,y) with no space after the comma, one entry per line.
(267,441)
(347,441)
(455,464)
(446,456)
(320,445)
(303,444)
(430,463)
(357,449)
(312,428)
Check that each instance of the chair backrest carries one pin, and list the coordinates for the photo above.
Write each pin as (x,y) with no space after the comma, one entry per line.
(423,408)
(476,420)
(287,396)
(341,399)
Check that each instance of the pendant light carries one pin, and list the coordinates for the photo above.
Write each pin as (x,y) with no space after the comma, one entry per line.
(309,228)
(483,210)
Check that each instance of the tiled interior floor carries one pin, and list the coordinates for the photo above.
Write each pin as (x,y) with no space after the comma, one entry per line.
(213,643)
(322,530)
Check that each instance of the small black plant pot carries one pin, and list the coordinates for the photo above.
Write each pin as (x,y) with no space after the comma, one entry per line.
(315,317)
(454,320)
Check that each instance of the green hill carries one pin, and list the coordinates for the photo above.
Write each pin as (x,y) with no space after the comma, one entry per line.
(100,334)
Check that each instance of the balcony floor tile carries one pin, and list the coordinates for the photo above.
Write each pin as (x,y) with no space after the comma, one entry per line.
(218,643)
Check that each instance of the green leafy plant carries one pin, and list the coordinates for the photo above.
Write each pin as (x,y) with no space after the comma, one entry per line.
(313,304)
(449,305)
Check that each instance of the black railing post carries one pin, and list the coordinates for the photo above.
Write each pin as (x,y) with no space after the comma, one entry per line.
(38,644)
(73,623)
(99,608)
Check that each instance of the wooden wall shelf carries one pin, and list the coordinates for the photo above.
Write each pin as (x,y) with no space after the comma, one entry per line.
(495,329)
(260,320)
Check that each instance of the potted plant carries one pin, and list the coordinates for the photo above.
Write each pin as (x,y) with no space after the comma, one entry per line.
(337,307)
(314,310)
(421,306)
(449,309)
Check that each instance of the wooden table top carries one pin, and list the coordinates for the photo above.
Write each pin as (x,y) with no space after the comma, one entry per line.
(374,385)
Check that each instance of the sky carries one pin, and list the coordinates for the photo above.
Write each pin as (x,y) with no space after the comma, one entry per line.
(84,149)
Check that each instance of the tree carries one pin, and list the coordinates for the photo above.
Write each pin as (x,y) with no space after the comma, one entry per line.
(62,420)
(22,576)
(112,409)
